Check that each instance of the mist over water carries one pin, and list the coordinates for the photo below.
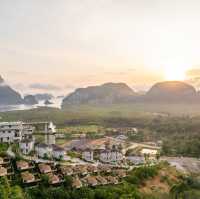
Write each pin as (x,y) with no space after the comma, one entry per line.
(56,104)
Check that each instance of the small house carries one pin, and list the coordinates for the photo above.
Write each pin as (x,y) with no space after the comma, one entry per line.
(76,183)
(44,168)
(3,171)
(101,180)
(27,177)
(22,165)
(66,170)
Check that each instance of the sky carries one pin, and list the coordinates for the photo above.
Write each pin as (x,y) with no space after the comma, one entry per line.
(56,46)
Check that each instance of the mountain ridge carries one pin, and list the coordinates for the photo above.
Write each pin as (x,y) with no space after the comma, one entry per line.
(161,92)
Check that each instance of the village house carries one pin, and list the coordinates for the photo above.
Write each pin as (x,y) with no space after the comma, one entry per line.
(44,168)
(26,146)
(88,155)
(3,171)
(76,183)
(27,177)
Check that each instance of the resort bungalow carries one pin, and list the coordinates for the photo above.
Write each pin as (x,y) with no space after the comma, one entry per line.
(3,171)
(101,180)
(104,168)
(44,168)
(112,180)
(27,177)
(76,183)
(22,165)
(120,173)
(80,170)
(66,170)
(90,181)
(53,179)
(92,169)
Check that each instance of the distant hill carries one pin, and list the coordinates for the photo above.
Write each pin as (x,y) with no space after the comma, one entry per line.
(119,93)
(109,93)
(43,96)
(8,96)
(172,92)
(30,100)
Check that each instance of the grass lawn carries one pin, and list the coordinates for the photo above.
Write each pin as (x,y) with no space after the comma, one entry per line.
(3,147)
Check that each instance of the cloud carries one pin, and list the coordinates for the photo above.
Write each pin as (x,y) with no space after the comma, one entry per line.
(70,86)
(43,86)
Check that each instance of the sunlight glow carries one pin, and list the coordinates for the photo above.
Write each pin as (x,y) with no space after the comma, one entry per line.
(176,71)
(175,74)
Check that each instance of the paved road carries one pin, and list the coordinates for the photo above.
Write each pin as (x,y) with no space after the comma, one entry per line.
(10,153)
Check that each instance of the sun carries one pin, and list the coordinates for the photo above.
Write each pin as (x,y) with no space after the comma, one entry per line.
(176,71)
(175,74)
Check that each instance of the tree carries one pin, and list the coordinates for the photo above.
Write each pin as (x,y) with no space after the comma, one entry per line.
(178,189)
(16,193)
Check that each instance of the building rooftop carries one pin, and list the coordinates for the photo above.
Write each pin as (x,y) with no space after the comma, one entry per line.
(120,173)
(101,180)
(76,183)
(22,164)
(44,168)
(92,168)
(80,169)
(3,171)
(53,179)
(112,180)
(66,170)
(27,177)
(91,180)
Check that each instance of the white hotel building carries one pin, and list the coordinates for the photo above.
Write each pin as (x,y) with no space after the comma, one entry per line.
(15,131)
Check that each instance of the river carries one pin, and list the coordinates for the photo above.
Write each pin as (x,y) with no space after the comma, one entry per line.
(56,104)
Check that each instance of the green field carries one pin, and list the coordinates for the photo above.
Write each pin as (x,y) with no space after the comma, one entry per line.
(94,115)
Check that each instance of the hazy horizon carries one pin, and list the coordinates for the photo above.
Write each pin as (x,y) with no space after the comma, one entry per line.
(57,46)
